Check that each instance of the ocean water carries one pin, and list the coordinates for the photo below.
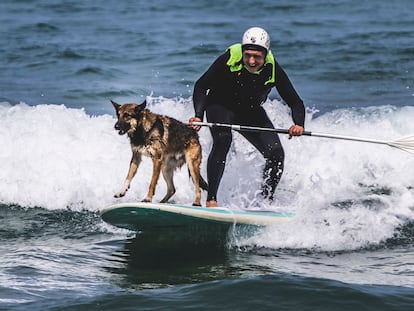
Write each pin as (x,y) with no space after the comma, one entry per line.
(350,245)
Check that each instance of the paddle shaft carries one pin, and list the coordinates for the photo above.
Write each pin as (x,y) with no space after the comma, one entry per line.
(286,131)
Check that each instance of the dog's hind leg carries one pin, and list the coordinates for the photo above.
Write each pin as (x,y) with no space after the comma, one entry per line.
(168,174)
(193,157)
(133,167)
(156,170)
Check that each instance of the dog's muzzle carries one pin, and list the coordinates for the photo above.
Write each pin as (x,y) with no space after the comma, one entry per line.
(122,127)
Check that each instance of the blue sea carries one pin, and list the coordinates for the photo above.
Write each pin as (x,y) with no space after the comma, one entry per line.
(350,245)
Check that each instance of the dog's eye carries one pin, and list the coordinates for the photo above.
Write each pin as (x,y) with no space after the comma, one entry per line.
(127,115)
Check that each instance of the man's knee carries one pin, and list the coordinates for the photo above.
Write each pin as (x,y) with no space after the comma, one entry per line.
(222,138)
(275,154)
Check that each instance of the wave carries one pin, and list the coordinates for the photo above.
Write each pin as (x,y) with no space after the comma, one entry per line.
(346,195)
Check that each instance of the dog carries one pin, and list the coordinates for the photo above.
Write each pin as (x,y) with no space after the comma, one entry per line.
(168,142)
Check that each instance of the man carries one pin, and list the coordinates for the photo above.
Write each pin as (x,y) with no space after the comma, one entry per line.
(232,91)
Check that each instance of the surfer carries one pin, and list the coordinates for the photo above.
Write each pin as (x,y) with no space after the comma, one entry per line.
(232,91)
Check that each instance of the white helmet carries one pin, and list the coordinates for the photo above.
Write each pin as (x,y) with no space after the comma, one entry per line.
(256,36)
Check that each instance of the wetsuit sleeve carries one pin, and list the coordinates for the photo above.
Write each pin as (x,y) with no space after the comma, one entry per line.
(205,82)
(290,96)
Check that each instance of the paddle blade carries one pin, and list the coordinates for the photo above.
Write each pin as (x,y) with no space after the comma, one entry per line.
(405,143)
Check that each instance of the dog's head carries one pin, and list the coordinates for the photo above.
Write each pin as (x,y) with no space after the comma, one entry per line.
(128,116)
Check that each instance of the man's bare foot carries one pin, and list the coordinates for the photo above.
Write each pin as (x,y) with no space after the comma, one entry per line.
(211,204)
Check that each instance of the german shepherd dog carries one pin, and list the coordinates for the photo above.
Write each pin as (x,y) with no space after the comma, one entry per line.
(168,142)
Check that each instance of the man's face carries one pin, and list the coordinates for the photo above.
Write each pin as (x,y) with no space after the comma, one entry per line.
(254,60)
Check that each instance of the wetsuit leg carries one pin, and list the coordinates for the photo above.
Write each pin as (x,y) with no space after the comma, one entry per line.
(269,145)
(222,138)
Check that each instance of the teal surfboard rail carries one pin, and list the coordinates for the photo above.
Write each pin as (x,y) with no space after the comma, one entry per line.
(145,216)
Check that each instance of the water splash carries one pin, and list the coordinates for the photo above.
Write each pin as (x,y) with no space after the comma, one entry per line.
(346,195)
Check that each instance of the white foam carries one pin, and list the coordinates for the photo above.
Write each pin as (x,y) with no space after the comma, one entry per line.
(345,194)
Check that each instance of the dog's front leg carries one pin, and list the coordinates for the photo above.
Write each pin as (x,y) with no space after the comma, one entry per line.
(156,170)
(133,167)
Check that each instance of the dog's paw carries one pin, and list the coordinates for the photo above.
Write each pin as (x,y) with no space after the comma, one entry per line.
(147,200)
(196,204)
(119,194)
(123,191)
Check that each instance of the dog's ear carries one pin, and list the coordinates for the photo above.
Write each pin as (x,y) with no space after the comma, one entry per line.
(140,107)
(116,106)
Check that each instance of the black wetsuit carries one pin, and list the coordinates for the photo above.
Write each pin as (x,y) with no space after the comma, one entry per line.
(237,98)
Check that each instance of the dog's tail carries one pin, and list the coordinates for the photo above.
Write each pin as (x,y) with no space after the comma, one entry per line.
(203,183)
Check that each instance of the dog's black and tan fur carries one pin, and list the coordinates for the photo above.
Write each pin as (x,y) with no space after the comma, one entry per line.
(168,142)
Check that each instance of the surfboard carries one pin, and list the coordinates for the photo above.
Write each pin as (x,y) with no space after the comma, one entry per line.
(165,229)
(140,216)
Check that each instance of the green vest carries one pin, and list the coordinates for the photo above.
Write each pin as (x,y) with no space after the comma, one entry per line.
(235,61)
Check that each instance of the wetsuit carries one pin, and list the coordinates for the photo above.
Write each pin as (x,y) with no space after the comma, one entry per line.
(228,93)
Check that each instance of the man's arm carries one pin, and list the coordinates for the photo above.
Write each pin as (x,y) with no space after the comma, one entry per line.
(290,96)
(205,82)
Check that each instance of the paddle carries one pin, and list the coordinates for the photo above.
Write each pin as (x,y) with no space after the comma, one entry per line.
(404,143)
